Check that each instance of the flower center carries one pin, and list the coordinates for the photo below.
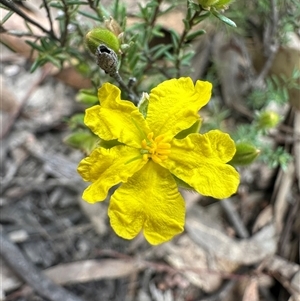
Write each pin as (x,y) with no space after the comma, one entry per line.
(155,149)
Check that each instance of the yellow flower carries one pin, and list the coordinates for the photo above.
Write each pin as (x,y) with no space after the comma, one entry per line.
(146,154)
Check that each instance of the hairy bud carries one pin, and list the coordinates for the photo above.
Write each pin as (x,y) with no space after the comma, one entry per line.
(98,36)
(245,154)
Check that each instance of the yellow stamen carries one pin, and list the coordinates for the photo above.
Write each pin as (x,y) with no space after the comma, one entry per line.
(155,149)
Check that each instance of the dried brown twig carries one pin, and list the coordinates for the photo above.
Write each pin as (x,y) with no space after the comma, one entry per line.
(40,283)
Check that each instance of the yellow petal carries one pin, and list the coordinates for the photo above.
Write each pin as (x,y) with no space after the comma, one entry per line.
(116,118)
(200,161)
(106,168)
(150,201)
(174,105)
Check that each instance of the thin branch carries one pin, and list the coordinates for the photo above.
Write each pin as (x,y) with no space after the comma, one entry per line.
(271,44)
(182,39)
(16,33)
(9,4)
(48,15)
(64,35)
(32,276)
(155,14)
(96,10)
(234,218)
(133,97)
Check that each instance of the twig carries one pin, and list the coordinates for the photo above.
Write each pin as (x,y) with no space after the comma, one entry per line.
(271,45)
(120,81)
(15,9)
(234,218)
(16,33)
(182,39)
(48,15)
(162,267)
(96,10)
(286,233)
(155,14)
(64,35)
(29,274)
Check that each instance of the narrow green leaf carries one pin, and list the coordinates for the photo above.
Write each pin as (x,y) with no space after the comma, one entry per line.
(36,64)
(75,2)
(175,38)
(186,24)
(156,31)
(223,18)
(195,34)
(83,140)
(161,51)
(87,97)
(94,17)
(54,61)
(186,59)
(45,43)
(7,16)
(201,18)
(35,46)
(57,5)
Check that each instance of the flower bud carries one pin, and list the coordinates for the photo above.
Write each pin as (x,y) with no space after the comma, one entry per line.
(245,154)
(107,60)
(98,36)
(113,26)
(267,120)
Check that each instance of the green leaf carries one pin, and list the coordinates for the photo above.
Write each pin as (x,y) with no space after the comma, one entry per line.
(36,64)
(195,34)
(84,140)
(185,60)
(156,31)
(54,61)
(76,121)
(88,15)
(160,50)
(201,18)
(88,97)
(186,23)
(7,16)
(45,43)
(35,46)
(75,2)
(223,18)
(175,38)
(57,5)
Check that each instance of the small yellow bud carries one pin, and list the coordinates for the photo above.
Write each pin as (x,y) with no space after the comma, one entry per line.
(245,154)
(267,120)
(98,36)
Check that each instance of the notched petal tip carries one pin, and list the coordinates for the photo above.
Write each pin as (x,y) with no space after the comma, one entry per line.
(155,238)
(108,92)
(148,201)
